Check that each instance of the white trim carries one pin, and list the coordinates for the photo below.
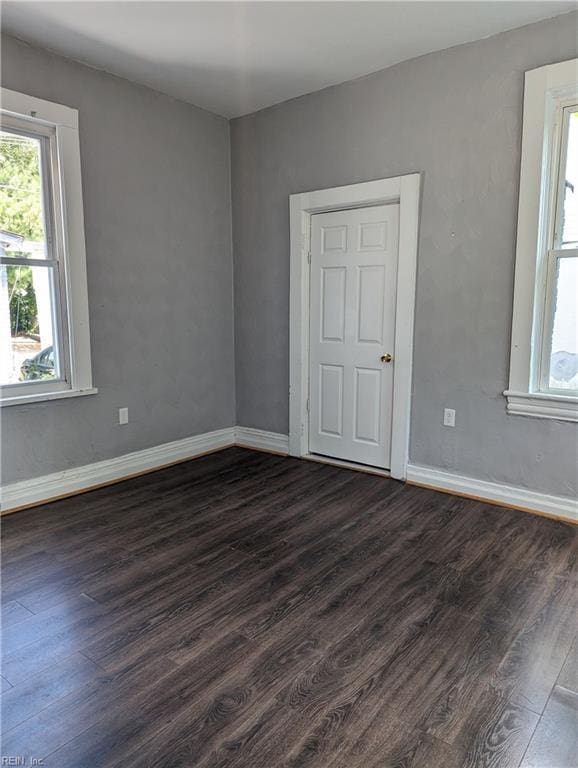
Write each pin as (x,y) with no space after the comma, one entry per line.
(75,255)
(20,104)
(40,397)
(406,191)
(259,439)
(39,490)
(275,442)
(542,405)
(545,92)
(68,235)
(404,322)
(508,495)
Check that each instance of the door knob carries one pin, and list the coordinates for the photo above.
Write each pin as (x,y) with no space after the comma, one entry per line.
(386,358)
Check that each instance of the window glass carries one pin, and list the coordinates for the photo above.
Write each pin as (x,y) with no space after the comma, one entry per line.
(569,208)
(27,327)
(28,279)
(564,356)
(560,352)
(22,216)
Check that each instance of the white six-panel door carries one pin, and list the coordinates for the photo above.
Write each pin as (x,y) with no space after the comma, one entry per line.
(352,328)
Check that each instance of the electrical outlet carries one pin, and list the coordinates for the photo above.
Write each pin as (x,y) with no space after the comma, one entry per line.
(449,417)
(123,415)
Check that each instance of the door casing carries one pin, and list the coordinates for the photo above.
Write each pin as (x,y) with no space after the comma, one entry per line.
(404,190)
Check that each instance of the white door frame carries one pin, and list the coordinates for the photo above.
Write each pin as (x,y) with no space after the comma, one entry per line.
(404,190)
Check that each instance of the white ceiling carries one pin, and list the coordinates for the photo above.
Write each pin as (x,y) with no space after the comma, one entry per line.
(234,58)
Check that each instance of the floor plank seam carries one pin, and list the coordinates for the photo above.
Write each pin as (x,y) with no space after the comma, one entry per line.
(257,613)
(535,728)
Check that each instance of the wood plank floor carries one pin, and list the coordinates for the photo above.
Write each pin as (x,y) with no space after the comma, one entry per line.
(251,611)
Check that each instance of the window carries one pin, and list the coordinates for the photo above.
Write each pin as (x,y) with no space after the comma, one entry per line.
(559,364)
(44,334)
(544,354)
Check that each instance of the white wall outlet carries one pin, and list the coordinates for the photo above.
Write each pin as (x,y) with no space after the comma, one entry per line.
(123,415)
(449,417)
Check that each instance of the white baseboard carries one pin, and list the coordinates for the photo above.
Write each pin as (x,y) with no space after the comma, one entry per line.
(262,440)
(39,490)
(70,481)
(507,495)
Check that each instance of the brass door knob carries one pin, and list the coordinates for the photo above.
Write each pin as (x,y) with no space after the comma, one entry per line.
(386,358)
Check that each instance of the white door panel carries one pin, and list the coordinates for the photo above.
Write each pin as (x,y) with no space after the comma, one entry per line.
(333,304)
(371,285)
(367,405)
(353,277)
(331,405)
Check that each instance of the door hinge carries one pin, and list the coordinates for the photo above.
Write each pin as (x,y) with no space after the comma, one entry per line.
(307,405)
(309,257)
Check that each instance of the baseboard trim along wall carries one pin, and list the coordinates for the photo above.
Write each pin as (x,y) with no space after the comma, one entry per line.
(40,490)
(260,440)
(561,507)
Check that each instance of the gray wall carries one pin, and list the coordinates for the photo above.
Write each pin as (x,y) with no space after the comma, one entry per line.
(157,217)
(456,116)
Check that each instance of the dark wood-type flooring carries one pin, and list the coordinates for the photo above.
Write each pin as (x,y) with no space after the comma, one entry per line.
(245,610)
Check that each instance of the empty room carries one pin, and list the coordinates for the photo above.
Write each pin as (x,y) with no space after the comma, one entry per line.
(289,384)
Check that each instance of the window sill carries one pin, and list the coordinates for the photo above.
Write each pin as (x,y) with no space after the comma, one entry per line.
(40,397)
(542,406)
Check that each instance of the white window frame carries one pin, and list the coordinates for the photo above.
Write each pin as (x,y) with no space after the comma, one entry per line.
(548,90)
(61,123)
